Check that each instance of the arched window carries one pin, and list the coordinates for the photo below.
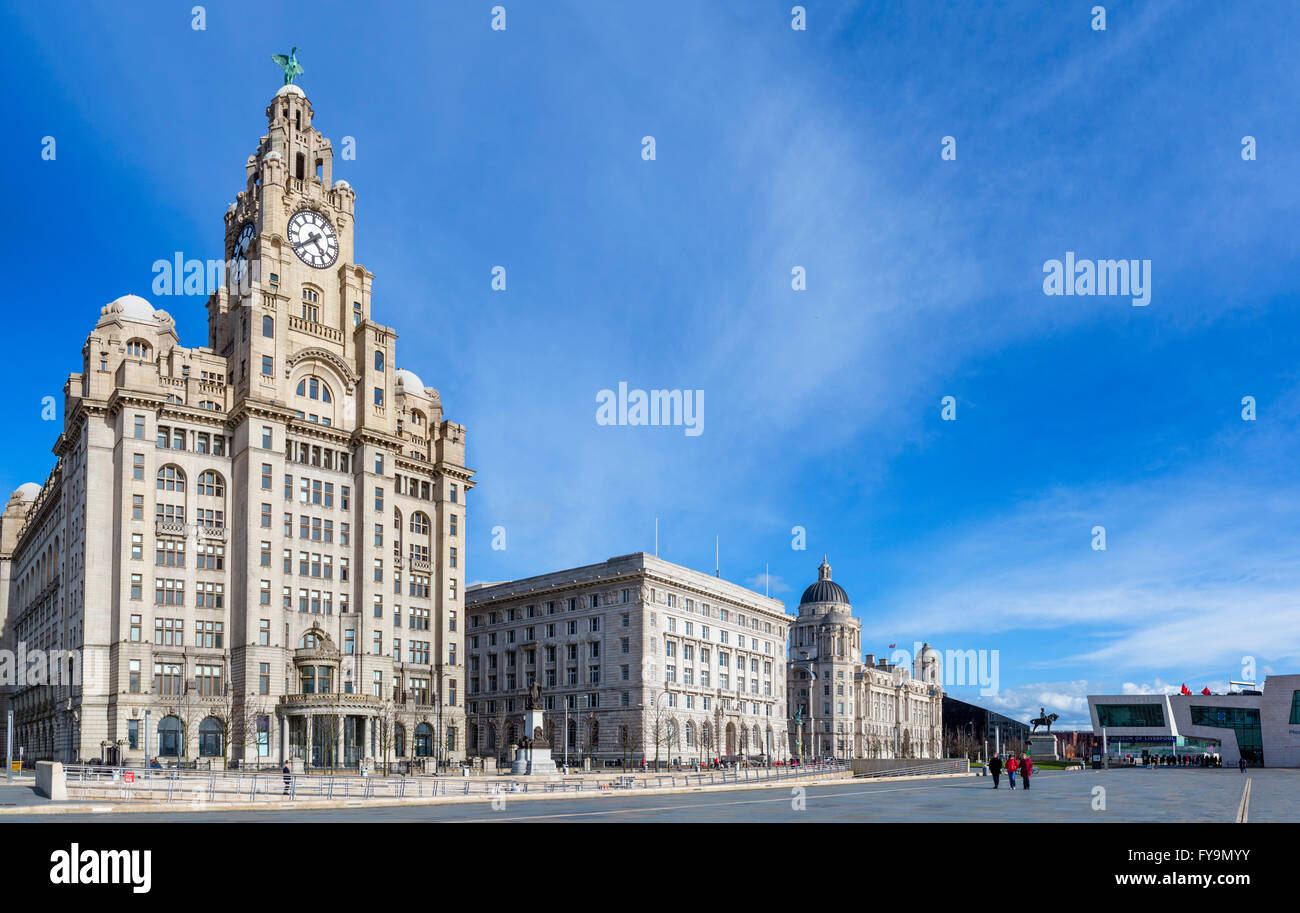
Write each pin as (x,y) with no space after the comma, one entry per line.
(171,478)
(211,484)
(138,348)
(314,388)
(424,741)
(268,326)
(379,360)
(210,738)
(420,523)
(310,641)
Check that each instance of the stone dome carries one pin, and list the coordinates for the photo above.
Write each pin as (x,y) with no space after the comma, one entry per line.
(409,381)
(825,589)
(26,492)
(290,89)
(836,617)
(129,307)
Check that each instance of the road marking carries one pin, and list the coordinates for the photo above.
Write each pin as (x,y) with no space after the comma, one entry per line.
(1243,809)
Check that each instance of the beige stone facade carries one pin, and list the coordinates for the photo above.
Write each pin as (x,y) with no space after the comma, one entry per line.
(846,706)
(260,542)
(651,661)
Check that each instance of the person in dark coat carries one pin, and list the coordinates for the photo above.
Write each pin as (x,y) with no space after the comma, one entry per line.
(995,768)
(286,778)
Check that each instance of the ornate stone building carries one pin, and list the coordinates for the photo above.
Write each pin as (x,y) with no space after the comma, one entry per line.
(638,659)
(845,706)
(255,547)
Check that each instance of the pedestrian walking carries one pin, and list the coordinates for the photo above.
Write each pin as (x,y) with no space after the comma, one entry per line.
(1012,766)
(995,768)
(1241,763)
(1026,769)
(286,778)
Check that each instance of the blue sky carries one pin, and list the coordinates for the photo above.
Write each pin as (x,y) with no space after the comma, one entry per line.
(775,148)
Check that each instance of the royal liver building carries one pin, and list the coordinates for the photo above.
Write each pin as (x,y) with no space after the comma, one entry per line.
(252,549)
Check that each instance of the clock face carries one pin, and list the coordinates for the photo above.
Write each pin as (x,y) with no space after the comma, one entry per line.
(313,238)
(242,242)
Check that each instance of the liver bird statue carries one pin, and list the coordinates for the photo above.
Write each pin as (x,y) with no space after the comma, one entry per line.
(288,63)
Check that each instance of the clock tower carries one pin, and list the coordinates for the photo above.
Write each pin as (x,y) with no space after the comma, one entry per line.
(295,286)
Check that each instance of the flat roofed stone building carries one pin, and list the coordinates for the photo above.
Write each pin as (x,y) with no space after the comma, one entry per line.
(256,546)
(651,660)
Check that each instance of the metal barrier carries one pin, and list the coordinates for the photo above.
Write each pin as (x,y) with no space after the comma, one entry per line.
(189,786)
(925,769)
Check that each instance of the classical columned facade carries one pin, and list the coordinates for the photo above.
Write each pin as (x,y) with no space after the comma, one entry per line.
(846,706)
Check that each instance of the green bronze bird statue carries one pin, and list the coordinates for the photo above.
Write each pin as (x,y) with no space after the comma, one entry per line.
(288,63)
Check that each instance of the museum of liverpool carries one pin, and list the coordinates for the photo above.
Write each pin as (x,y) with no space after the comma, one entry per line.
(1262,726)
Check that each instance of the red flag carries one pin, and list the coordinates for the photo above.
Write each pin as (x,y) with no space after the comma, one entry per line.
(892,646)
(1186,690)
(1207,690)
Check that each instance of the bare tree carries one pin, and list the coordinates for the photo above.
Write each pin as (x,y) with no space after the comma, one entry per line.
(591,734)
(386,732)
(453,719)
(658,729)
(502,723)
(629,739)
(248,717)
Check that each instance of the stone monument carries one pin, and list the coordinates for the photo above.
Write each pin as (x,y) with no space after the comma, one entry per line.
(534,755)
(1042,745)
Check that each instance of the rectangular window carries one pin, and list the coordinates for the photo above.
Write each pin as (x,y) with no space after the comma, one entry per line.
(267,366)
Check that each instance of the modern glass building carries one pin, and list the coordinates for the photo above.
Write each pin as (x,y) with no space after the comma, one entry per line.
(1262,726)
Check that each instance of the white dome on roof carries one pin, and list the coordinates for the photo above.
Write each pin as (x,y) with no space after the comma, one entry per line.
(290,89)
(131,307)
(409,381)
(25,492)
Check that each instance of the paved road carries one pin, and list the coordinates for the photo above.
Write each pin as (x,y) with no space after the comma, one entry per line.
(1130,795)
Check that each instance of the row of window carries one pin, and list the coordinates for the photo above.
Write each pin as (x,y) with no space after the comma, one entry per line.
(171,591)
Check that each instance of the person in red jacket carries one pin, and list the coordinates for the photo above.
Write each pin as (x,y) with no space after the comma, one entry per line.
(1012,766)
(1026,768)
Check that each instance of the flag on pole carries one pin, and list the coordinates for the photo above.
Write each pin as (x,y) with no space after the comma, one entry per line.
(1206,690)
(1186,690)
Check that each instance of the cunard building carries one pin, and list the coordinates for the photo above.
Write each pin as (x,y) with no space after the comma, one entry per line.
(254,547)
